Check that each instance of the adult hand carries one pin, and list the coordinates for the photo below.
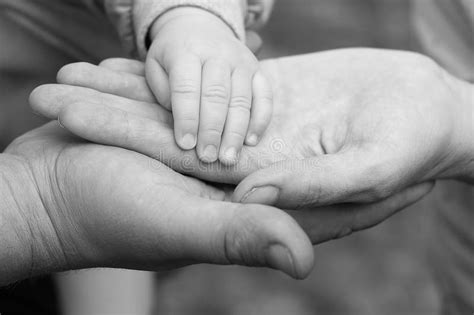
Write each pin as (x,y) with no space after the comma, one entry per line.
(358,128)
(372,123)
(115,107)
(82,205)
(361,126)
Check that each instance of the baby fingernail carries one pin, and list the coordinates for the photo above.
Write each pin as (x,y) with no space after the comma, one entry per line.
(188,141)
(252,139)
(230,155)
(209,154)
(279,257)
(267,195)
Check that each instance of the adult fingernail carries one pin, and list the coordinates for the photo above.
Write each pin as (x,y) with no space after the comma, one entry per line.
(279,257)
(188,141)
(267,195)
(252,139)
(210,154)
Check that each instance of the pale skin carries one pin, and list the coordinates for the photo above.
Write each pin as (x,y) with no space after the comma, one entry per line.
(68,204)
(358,107)
(198,69)
(104,186)
(369,131)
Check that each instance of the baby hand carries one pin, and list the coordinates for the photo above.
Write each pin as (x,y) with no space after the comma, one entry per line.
(197,68)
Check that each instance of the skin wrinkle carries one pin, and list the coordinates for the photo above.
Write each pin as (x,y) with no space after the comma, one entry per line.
(234,241)
(311,195)
(48,213)
(5,180)
(45,205)
(343,107)
(318,139)
(55,180)
(342,230)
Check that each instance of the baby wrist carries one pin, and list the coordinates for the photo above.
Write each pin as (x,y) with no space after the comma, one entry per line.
(187,12)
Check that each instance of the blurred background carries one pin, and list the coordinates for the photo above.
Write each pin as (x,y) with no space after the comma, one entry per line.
(379,271)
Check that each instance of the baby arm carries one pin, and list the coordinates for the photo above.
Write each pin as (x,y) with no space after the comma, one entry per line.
(199,69)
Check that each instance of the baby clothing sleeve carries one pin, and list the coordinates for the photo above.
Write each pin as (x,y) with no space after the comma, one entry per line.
(133,18)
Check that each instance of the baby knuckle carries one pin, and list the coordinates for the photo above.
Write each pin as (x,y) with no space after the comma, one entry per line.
(212,130)
(215,94)
(186,88)
(266,97)
(236,134)
(240,102)
(187,119)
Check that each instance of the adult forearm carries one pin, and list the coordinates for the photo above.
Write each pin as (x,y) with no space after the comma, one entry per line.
(23,229)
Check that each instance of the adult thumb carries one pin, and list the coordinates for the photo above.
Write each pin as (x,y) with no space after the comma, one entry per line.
(242,234)
(317,181)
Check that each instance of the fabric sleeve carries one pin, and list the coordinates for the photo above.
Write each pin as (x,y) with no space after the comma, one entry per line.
(258,13)
(133,18)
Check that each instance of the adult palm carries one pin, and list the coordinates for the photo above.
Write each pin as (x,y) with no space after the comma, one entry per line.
(103,206)
(342,131)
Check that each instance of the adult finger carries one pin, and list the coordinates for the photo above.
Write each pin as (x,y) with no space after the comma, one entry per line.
(352,176)
(185,86)
(49,99)
(106,80)
(170,227)
(117,127)
(331,222)
(155,218)
(249,235)
(215,94)
(262,109)
(237,117)
(124,65)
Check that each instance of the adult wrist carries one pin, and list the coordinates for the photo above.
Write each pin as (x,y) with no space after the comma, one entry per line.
(27,244)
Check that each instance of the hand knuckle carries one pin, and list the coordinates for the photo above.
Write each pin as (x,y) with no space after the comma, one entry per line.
(377,193)
(212,130)
(266,97)
(188,119)
(186,88)
(236,134)
(241,231)
(240,102)
(371,187)
(215,94)
(235,239)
